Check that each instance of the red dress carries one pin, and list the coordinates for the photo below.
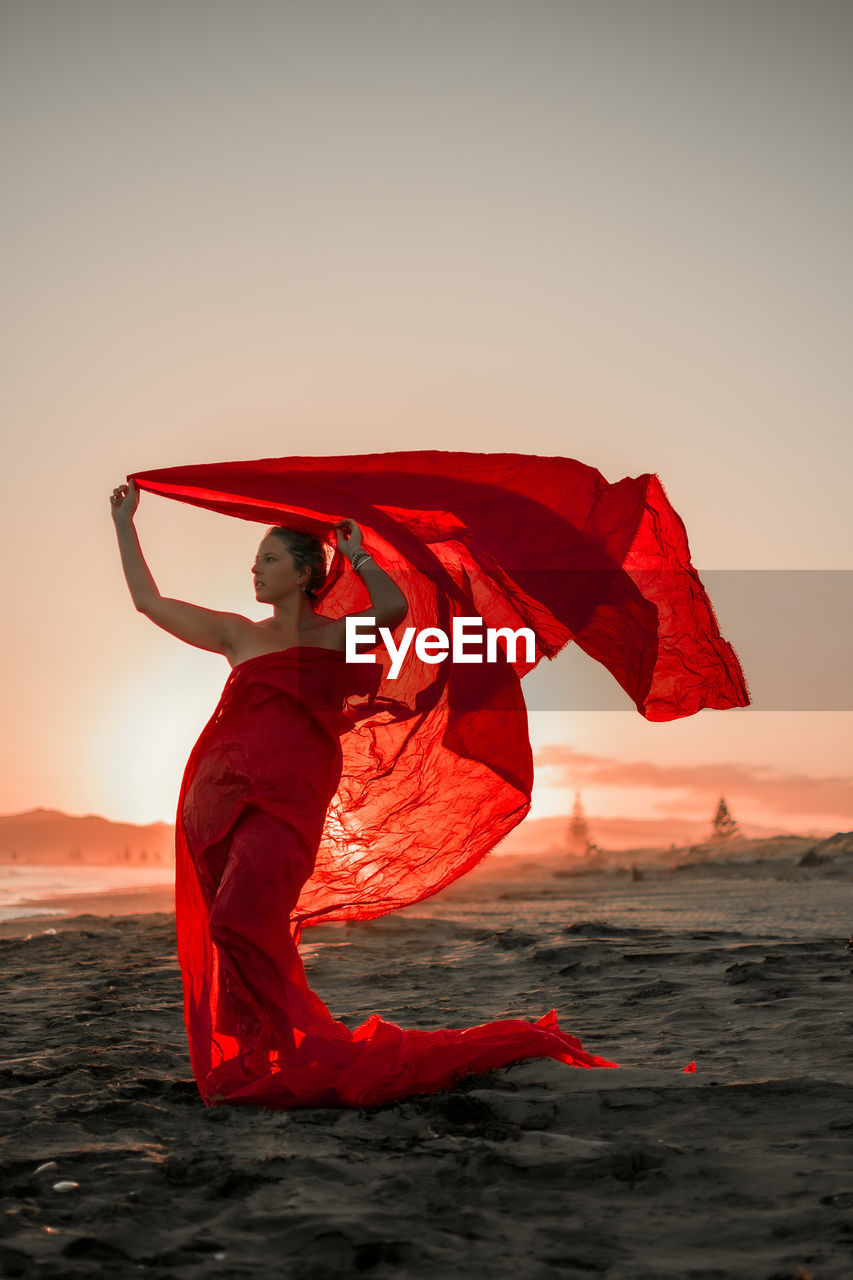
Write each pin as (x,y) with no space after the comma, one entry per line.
(253,806)
(322,790)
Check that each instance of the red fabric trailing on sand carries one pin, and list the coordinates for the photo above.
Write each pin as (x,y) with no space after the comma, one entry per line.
(324,790)
(252,809)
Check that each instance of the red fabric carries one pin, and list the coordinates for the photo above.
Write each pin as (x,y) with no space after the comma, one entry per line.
(322,790)
(252,809)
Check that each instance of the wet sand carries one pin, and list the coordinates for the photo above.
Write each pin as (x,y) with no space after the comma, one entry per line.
(741,1169)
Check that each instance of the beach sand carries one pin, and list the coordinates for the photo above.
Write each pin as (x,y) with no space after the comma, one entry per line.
(743,1168)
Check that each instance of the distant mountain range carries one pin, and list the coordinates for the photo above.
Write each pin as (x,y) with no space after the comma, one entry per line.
(46,835)
(49,836)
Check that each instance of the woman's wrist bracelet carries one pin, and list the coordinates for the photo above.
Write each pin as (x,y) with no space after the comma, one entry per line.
(359,557)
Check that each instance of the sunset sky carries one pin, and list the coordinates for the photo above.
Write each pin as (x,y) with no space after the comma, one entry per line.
(615,232)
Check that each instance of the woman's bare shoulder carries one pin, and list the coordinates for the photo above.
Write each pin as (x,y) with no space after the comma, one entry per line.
(255,639)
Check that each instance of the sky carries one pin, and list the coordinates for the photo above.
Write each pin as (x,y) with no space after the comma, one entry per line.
(617,232)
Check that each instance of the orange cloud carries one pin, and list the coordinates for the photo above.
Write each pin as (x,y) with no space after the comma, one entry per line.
(758,784)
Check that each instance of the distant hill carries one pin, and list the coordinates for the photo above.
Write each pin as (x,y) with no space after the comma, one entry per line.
(49,836)
(550,835)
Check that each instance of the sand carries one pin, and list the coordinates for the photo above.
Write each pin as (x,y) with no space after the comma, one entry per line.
(741,1169)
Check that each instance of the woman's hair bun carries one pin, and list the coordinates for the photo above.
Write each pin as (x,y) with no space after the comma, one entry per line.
(308,552)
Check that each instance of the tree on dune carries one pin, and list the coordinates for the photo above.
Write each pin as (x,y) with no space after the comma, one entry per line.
(723,825)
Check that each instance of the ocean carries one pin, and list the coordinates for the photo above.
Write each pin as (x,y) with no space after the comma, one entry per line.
(771,898)
(19,884)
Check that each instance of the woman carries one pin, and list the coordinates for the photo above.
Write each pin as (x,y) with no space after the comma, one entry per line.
(253,807)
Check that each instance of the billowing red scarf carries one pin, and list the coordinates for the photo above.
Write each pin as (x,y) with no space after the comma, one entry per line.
(437,764)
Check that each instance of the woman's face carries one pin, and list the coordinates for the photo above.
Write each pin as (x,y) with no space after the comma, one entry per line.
(275,572)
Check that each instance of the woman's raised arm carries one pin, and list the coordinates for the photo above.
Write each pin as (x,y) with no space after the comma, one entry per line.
(203,628)
(388,605)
